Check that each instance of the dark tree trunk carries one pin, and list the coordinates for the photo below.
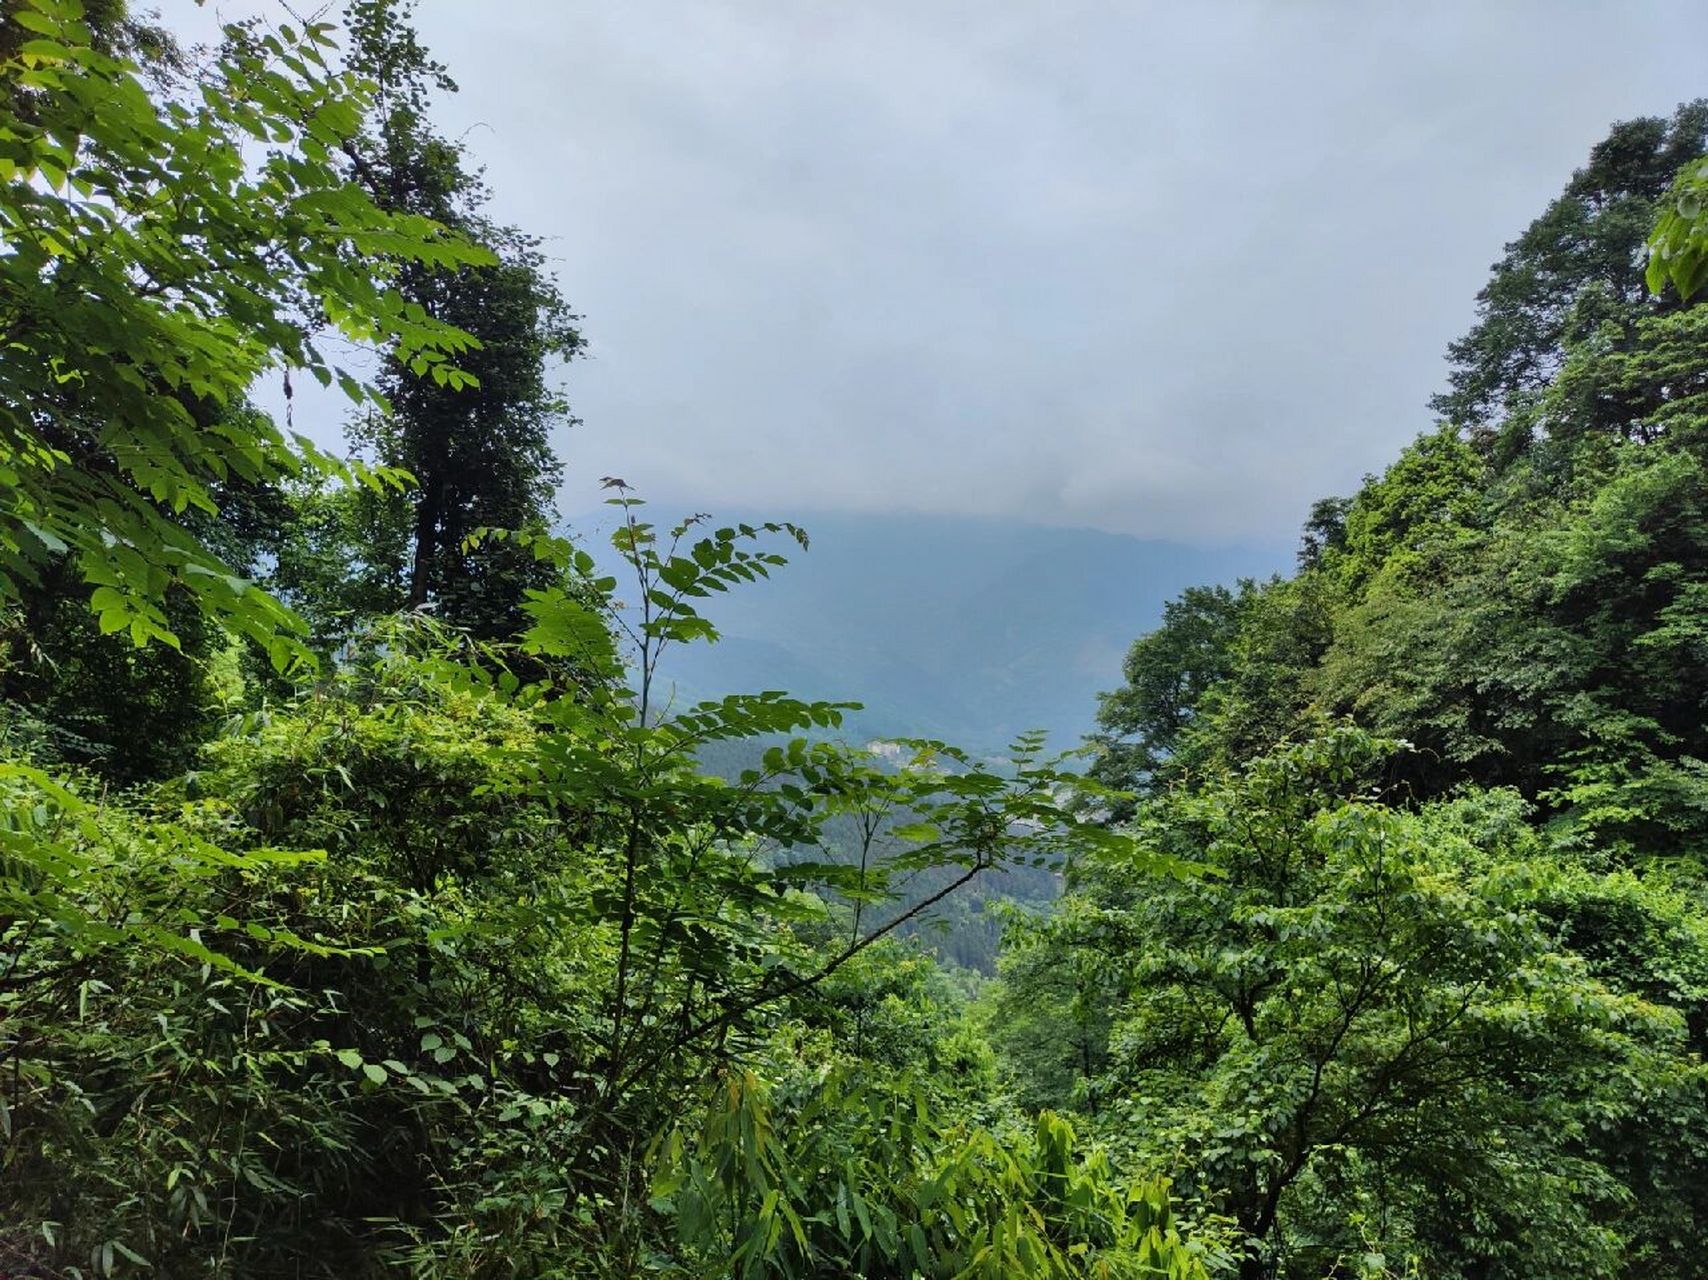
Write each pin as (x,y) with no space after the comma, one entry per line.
(426,539)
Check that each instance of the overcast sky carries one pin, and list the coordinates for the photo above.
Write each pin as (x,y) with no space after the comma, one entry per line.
(1166,269)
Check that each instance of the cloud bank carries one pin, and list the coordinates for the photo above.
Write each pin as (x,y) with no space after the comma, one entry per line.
(1169,270)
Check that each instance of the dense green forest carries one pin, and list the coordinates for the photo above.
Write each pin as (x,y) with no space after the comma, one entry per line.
(366,910)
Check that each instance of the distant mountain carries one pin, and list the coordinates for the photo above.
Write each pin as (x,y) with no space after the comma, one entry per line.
(972,630)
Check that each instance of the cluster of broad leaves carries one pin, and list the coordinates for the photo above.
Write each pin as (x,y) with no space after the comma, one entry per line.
(163,251)
(1383,1040)
(1678,246)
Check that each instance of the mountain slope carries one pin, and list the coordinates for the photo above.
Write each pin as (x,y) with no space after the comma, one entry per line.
(969,629)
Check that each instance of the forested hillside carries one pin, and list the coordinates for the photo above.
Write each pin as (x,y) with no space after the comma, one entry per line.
(370,906)
(1438,1008)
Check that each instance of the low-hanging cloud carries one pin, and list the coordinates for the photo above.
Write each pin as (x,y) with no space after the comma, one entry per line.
(1159,269)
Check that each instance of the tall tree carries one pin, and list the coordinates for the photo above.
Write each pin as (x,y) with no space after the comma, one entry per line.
(1168,671)
(481,454)
(1580,262)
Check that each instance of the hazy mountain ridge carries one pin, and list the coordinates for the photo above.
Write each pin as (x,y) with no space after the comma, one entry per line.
(966,628)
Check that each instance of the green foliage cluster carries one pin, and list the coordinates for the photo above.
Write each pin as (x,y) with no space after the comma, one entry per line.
(480,453)
(1379,1036)
(871,1182)
(1678,246)
(1520,595)
(164,251)
(450,1033)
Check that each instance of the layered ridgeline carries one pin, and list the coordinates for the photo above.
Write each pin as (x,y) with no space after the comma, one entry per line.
(970,629)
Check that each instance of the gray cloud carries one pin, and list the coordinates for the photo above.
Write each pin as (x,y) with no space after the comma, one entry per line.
(1172,270)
